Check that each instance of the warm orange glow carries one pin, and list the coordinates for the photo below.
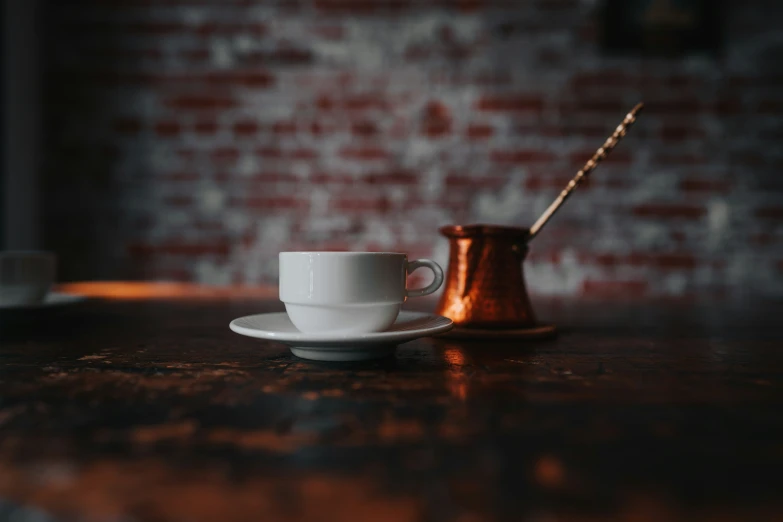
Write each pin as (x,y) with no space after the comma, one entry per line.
(457,381)
(163,290)
(459,389)
(454,356)
(549,471)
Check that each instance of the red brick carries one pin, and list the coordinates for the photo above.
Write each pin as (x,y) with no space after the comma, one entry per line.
(288,56)
(770,213)
(354,7)
(704,185)
(521,156)
(167,128)
(204,102)
(675,261)
(676,107)
(284,127)
(364,153)
(269,152)
(518,103)
(329,32)
(627,288)
(678,236)
(535,182)
(469,181)
(302,154)
(603,79)
(436,120)
(253,78)
(611,183)
(549,131)
(615,157)
(247,128)
(127,125)
(483,79)
(278,153)
(606,260)
(615,107)
(553,257)
(662,261)
(275,177)
(417,52)
(319,128)
(664,211)
(325,103)
(457,202)
(446,34)
(326,178)
(618,78)
(466,6)
(364,129)
(457,52)
(479,132)
(379,204)
(674,82)
(587,130)
(272,202)
(391,178)
(676,134)
(679,159)
(364,102)
(285,56)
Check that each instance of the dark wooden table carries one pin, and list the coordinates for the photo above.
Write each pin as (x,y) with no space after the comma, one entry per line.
(151,409)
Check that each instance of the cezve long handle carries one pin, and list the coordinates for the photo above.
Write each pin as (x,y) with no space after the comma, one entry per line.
(600,154)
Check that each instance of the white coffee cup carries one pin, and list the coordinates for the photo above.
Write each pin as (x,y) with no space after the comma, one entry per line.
(25,276)
(348,292)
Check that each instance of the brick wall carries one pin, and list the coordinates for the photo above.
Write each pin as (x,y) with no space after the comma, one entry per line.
(195,139)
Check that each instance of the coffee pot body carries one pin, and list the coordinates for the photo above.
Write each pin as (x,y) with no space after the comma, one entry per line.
(485,286)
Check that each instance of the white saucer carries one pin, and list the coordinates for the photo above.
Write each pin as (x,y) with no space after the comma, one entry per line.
(361,347)
(52,300)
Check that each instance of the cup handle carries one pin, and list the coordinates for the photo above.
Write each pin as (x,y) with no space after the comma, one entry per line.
(437,271)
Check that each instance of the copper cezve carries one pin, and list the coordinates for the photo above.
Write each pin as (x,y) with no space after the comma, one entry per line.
(485,286)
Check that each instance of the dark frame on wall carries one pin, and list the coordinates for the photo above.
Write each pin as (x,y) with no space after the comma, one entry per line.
(667,28)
